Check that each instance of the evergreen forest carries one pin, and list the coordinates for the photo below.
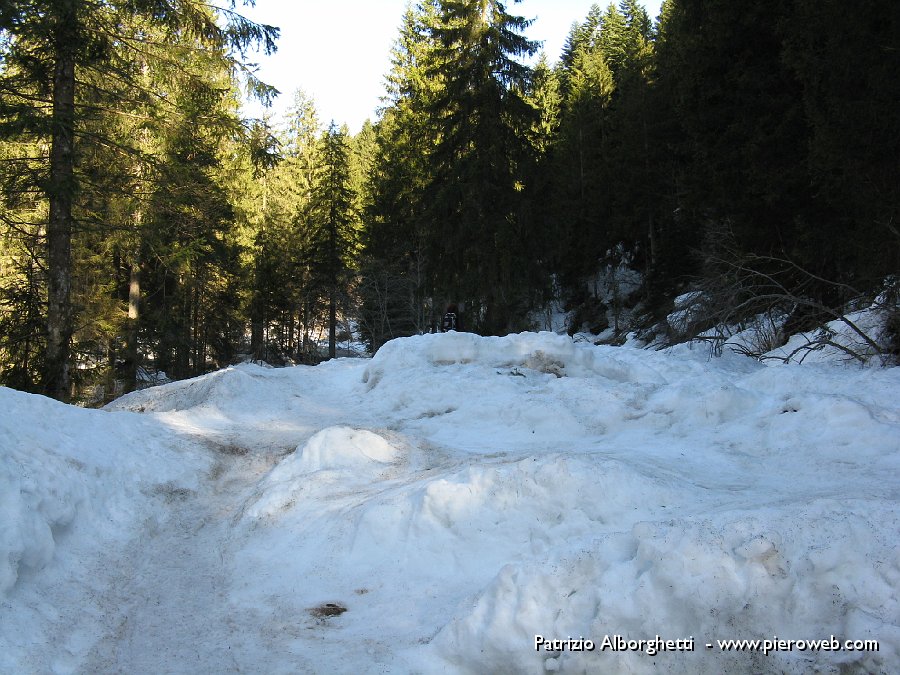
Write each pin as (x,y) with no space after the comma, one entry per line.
(747,152)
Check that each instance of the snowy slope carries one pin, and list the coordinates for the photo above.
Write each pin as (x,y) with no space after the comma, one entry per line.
(435,508)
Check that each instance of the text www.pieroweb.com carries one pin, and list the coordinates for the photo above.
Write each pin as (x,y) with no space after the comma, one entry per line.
(657,644)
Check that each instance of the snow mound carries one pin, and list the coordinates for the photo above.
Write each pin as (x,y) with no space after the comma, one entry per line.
(853,339)
(40,496)
(546,353)
(688,310)
(730,576)
(340,448)
(503,510)
(335,453)
(457,496)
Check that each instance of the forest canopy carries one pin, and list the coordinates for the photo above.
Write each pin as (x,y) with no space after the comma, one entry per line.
(746,151)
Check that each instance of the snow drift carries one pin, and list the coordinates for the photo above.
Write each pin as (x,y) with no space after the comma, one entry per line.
(435,508)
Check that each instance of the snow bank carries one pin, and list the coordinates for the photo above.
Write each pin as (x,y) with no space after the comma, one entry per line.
(546,353)
(838,341)
(226,390)
(688,309)
(342,448)
(76,476)
(861,337)
(40,495)
(731,576)
(334,453)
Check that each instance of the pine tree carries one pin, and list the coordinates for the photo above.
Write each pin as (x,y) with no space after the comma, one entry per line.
(49,42)
(847,64)
(393,284)
(544,96)
(478,249)
(362,152)
(742,108)
(613,39)
(22,282)
(335,227)
(581,182)
(582,38)
(194,313)
(630,154)
(285,306)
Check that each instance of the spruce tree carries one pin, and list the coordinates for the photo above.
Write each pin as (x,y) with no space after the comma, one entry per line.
(334,226)
(285,306)
(478,246)
(56,48)
(581,182)
(847,64)
(393,278)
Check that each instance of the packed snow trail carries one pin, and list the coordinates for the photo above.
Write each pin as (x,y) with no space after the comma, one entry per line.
(170,595)
(435,508)
(167,606)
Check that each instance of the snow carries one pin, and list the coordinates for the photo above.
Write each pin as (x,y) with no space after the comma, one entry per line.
(688,309)
(840,339)
(436,507)
(860,337)
(73,482)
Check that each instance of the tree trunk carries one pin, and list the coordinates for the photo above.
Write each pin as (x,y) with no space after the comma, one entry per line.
(257,320)
(332,324)
(198,359)
(60,194)
(131,331)
(306,314)
(183,344)
(335,263)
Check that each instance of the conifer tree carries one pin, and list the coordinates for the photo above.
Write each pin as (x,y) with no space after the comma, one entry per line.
(741,107)
(847,64)
(477,243)
(582,38)
(544,96)
(285,306)
(334,227)
(393,287)
(54,49)
(581,186)
(192,304)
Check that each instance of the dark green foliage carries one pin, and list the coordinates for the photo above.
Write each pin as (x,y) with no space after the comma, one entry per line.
(191,304)
(393,292)
(73,73)
(478,245)
(847,61)
(333,221)
(789,132)
(140,219)
(648,140)
(742,111)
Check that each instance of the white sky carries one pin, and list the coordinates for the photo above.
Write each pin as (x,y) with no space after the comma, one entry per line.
(338,51)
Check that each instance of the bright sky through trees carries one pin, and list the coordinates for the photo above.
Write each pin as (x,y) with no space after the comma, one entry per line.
(338,51)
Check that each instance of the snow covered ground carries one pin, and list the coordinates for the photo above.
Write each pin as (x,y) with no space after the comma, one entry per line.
(437,507)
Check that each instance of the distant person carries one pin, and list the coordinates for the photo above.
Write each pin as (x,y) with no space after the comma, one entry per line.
(450,322)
